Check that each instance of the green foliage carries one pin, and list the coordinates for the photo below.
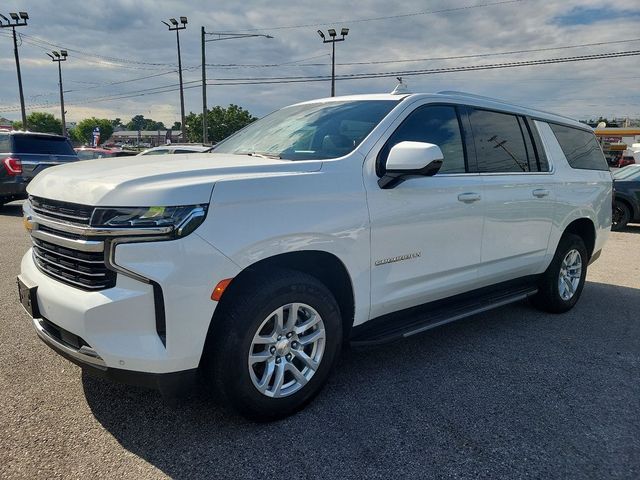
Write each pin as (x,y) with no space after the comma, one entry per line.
(83,133)
(41,122)
(140,123)
(221,122)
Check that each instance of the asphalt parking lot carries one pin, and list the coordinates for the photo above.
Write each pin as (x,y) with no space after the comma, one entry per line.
(512,393)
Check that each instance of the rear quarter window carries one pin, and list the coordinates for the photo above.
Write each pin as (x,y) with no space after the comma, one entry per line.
(580,148)
(36,144)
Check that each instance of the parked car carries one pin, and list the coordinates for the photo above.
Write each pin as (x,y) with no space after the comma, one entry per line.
(90,153)
(25,154)
(177,148)
(626,206)
(364,219)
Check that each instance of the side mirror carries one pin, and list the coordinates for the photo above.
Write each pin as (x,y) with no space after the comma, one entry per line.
(411,158)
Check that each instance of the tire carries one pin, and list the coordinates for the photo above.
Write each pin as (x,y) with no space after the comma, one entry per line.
(621,215)
(554,296)
(253,308)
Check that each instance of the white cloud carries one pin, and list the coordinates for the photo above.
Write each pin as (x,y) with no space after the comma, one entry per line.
(132,30)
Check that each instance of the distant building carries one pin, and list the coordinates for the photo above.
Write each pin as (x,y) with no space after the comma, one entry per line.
(146,138)
(616,140)
(5,124)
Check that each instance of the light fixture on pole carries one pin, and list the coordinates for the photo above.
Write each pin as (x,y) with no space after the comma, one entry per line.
(219,36)
(332,33)
(177,27)
(19,20)
(60,57)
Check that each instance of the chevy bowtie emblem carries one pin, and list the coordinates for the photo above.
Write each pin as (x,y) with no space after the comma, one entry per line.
(399,258)
(28,224)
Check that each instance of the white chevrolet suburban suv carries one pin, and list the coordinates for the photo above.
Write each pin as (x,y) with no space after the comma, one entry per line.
(358,219)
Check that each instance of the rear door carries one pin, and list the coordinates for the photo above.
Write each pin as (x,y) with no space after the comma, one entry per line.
(519,195)
(426,232)
(37,152)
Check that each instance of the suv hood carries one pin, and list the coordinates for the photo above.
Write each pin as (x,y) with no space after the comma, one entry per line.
(162,180)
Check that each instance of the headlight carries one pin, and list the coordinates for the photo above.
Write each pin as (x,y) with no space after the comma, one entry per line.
(180,220)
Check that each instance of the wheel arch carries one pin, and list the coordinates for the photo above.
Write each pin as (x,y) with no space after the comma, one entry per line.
(324,266)
(585,229)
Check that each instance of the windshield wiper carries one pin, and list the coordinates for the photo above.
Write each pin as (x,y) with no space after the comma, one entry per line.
(261,155)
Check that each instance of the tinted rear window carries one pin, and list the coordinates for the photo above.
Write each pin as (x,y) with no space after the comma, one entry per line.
(5,144)
(42,145)
(580,147)
(500,142)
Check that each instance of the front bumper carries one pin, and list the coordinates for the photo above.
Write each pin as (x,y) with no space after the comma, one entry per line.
(13,187)
(119,324)
(168,383)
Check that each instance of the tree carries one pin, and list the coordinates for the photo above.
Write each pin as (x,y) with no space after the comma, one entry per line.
(116,122)
(221,122)
(41,122)
(176,126)
(83,133)
(140,123)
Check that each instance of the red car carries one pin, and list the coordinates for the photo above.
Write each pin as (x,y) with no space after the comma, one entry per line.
(90,153)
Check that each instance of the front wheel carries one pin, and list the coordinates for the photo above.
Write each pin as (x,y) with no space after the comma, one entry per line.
(274,344)
(561,284)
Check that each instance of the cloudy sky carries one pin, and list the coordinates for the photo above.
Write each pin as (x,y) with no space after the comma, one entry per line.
(121,55)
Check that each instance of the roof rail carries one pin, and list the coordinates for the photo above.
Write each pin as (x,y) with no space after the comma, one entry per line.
(497,100)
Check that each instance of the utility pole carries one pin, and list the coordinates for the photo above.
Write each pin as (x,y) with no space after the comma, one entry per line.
(20,20)
(60,57)
(204,89)
(332,33)
(219,36)
(177,27)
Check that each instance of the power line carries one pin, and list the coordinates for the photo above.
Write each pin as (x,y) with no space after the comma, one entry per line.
(490,66)
(429,59)
(389,17)
(360,76)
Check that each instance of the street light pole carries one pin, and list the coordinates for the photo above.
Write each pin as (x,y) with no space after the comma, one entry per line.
(20,20)
(60,57)
(177,27)
(332,33)
(204,89)
(220,36)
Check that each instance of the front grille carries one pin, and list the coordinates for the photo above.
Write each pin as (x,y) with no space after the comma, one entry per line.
(85,270)
(63,211)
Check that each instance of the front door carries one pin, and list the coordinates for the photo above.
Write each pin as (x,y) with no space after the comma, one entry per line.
(426,232)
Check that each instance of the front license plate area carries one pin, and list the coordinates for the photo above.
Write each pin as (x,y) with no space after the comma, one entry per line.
(28,298)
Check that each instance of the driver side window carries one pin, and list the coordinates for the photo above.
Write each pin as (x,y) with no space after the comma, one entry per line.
(437,124)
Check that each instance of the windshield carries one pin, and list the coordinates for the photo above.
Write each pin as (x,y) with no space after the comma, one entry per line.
(313,131)
(631,172)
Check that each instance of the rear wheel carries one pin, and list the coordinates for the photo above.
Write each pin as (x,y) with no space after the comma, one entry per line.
(274,344)
(561,284)
(621,215)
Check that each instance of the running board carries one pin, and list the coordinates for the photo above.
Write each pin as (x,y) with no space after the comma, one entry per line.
(396,326)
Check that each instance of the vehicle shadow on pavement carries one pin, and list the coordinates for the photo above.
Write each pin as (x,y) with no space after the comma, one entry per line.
(11,209)
(510,393)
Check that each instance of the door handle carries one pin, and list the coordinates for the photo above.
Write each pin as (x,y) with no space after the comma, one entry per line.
(469,197)
(541,192)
